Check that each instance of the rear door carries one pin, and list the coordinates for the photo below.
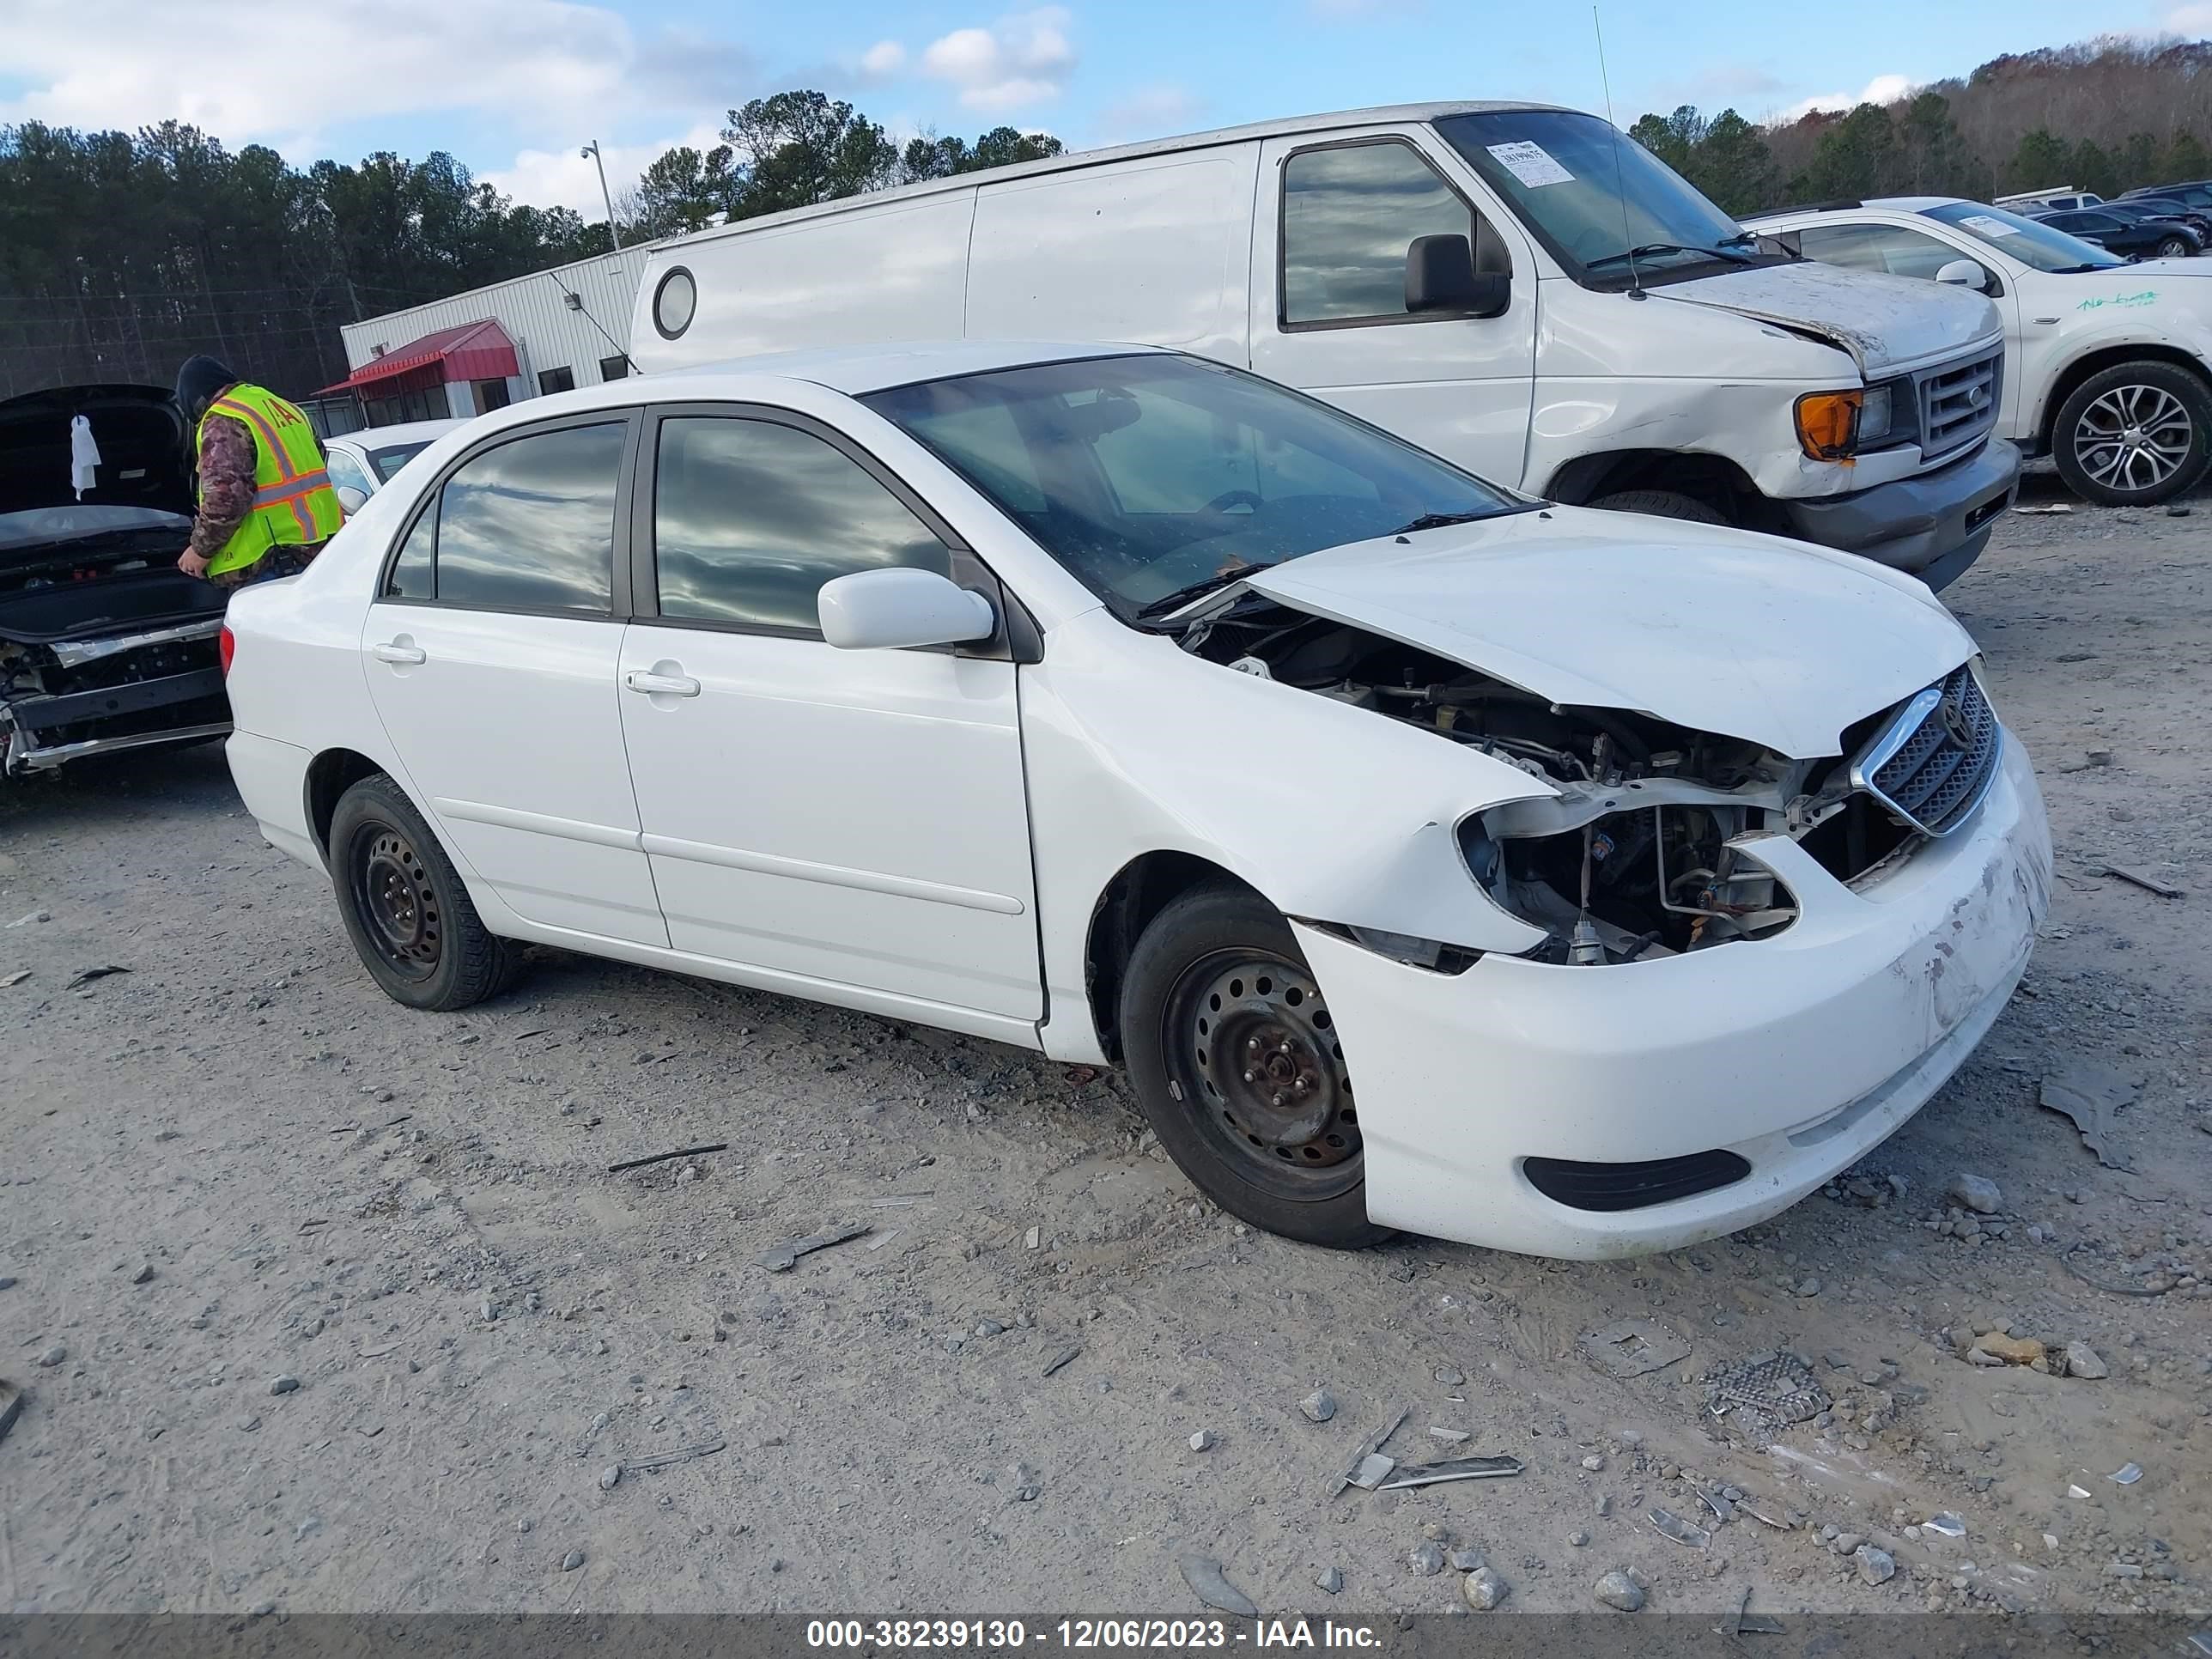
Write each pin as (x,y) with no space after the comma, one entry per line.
(491,651)
(847,818)
(1329,297)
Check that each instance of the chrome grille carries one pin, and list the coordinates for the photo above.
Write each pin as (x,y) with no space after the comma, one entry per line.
(1958,403)
(1933,762)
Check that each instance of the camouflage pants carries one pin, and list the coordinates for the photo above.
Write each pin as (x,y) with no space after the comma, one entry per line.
(275,563)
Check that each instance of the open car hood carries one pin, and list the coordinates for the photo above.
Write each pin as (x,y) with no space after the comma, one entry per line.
(1883,321)
(1717,630)
(138,430)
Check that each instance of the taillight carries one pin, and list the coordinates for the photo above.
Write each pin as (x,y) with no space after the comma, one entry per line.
(226,645)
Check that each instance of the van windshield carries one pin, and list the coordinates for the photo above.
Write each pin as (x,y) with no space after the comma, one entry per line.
(1600,202)
(1153,479)
(2034,244)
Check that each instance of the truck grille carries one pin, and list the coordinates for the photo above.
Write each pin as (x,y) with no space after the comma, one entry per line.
(1932,763)
(1958,403)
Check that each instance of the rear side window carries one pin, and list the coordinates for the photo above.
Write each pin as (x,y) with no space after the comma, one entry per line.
(526,526)
(750,519)
(1349,215)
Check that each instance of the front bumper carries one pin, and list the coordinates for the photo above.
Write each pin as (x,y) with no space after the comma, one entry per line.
(1800,1052)
(1933,525)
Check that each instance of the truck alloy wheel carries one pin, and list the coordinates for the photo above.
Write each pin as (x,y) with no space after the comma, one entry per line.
(2135,434)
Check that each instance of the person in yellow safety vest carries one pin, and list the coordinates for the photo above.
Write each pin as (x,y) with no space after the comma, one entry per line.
(266,504)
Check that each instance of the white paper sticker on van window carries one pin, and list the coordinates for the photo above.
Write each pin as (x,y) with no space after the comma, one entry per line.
(1532,164)
(1987,226)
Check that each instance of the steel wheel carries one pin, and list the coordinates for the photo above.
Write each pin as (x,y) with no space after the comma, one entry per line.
(394,895)
(2134,438)
(1253,1055)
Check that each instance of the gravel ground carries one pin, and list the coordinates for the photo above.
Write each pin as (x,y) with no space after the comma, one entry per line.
(238,1165)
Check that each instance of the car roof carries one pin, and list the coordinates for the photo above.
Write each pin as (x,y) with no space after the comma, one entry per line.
(403,432)
(1881,203)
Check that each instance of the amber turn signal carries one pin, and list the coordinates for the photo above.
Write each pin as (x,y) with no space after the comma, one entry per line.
(1828,424)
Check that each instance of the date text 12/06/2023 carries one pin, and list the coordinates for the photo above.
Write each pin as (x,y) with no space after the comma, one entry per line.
(1083,1635)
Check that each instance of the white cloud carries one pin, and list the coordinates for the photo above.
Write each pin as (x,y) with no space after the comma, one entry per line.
(543,66)
(1882,90)
(2191,20)
(1151,113)
(883,60)
(1023,58)
(566,178)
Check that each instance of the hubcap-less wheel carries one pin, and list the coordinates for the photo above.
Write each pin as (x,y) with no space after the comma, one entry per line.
(2134,438)
(397,902)
(2172,248)
(1254,1056)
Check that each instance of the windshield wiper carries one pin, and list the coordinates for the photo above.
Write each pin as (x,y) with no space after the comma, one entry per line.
(1651,250)
(1438,521)
(1197,590)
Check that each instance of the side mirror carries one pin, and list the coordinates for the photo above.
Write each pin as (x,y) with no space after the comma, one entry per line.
(1964,273)
(350,500)
(1441,276)
(887,609)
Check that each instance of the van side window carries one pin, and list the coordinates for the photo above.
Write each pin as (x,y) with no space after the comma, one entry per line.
(1349,215)
(749,518)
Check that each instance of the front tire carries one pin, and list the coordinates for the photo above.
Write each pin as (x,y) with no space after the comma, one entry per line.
(1660,504)
(2173,249)
(1239,1069)
(405,910)
(2135,434)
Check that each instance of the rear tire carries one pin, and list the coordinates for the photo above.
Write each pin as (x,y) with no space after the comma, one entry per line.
(1270,1136)
(406,908)
(2173,249)
(1659,504)
(2090,439)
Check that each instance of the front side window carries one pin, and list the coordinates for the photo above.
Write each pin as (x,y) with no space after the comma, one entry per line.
(1145,476)
(2038,245)
(346,473)
(749,518)
(526,526)
(1349,215)
(1892,248)
(1600,200)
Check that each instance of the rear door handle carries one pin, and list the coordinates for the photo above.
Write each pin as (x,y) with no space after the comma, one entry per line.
(393,651)
(661,685)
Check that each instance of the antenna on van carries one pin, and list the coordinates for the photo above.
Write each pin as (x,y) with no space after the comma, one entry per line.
(1619,182)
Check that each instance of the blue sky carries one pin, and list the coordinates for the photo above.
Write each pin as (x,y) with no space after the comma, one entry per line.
(512,86)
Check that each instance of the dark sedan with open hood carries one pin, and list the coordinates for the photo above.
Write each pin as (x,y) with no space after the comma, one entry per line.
(105,644)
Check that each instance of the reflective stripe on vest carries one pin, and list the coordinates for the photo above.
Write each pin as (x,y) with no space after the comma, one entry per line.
(294,503)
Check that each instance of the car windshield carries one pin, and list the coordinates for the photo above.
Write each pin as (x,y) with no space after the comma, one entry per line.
(390,459)
(2036,244)
(1595,197)
(1154,476)
(68,523)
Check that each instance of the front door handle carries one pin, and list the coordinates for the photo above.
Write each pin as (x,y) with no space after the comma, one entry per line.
(661,685)
(393,651)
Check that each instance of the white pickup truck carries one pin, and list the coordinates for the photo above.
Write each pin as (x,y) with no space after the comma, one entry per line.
(2106,368)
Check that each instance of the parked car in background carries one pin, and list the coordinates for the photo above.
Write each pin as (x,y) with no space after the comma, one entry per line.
(105,645)
(912,679)
(2156,209)
(2049,200)
(1515,287)
(2146,238)
(2196,193)
(363,461)
(2109,365)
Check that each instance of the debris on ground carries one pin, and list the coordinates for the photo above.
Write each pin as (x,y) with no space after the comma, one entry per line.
(87,975)
(1066,1356)
(2090,1092)
(1364,1472)
(52,1357)
(610,1477)
(1631,1348)
(1319,1406)
(1681,1531)
(15,978)
(1370,1471)
(284,1385)
(1620,1590)
(1484,1589)
(1331,1581)
(11,1406)
(2082,1361)
(1456,1468)
(784,1257)
(665,1157)
(1997,1347)
(681,1455)
(1743,1621)
(2126,1476)
(1450,1436)
(572,1560)
(1203,1441)
(1766,1393)
(2136,878)
(1976,1193)
(1204,1576)
(2043,506)
(1875,1566)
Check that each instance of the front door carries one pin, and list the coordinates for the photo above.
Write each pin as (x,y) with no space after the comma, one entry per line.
(1328,298)
(835,817)
(491,651)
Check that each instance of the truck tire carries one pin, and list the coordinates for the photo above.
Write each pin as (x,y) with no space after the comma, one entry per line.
(1659,504)
(405,910)
(1215,980)
(2102,439)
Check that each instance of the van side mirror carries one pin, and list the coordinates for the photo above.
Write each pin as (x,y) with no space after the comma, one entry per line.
(1441,276)
(351,500)
(1964,273)
(898,606)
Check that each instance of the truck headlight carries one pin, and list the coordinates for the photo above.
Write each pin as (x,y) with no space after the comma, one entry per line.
(1834,426)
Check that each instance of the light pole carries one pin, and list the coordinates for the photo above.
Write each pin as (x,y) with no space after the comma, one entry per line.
(591,151)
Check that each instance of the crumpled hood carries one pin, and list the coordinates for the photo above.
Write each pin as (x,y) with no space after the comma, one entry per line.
(1720,630)
(138,430)
(1883,321)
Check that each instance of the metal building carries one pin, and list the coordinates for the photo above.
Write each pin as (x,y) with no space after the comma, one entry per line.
(549,331)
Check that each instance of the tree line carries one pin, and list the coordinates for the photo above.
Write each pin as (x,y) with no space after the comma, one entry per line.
(2108,115)
(122,254)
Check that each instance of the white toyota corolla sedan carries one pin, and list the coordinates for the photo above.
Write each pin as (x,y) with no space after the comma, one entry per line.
(1567,882)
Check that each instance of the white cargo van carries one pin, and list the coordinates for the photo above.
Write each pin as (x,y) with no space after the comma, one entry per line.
(1513,286)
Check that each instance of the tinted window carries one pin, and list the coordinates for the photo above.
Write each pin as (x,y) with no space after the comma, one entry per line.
(1856,246)
(614,368)
(389,459)
(1878,247)
(412,577)
(530,525)
(550,380)
(750,519)
(1349,215)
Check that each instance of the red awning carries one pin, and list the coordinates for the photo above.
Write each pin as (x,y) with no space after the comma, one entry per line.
(473,351)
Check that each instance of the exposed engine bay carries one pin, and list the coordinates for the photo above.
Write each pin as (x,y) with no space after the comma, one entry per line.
(1641,853)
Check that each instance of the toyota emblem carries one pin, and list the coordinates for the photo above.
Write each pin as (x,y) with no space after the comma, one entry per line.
(1956,723)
